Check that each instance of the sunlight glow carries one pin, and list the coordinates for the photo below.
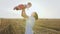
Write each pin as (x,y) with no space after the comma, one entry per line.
(44,8)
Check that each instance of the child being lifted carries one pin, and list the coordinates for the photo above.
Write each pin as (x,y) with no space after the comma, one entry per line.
(23,6)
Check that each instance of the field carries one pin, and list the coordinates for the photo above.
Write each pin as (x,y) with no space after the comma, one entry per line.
(17,26)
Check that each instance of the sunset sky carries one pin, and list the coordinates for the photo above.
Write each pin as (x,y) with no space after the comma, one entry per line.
(44,8)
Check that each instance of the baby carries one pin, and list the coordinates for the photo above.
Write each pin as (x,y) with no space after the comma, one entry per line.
(22,6)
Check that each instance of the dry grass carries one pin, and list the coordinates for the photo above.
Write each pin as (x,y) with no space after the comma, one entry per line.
(42,26)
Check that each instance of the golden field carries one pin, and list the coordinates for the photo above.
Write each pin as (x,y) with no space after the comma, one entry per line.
(17,26)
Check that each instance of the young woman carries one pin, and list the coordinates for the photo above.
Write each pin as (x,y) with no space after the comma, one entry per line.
(30,20)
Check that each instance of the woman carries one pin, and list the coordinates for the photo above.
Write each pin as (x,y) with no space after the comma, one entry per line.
(30,20)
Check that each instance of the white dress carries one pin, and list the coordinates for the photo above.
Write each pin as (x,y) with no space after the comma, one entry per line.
(29,25)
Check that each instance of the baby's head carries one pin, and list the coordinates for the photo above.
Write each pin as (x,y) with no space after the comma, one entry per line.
(29,5)
(35,15)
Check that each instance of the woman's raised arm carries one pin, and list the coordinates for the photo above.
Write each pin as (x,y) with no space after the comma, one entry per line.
(24,14)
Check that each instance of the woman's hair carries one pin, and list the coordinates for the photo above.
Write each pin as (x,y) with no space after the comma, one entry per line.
(35,15)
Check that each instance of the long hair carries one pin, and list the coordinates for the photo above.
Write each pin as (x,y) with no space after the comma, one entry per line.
(35,15)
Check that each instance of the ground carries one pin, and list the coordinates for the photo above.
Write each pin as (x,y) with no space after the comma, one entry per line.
(17,26)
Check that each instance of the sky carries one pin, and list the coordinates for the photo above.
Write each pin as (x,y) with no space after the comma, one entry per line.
(44,8)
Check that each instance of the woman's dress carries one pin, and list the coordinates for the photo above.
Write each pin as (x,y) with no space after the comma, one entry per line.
(29,25)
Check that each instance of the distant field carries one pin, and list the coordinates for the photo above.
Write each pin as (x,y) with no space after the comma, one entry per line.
(42,26)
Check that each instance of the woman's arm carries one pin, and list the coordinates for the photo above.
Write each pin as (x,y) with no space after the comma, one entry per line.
(24,14)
